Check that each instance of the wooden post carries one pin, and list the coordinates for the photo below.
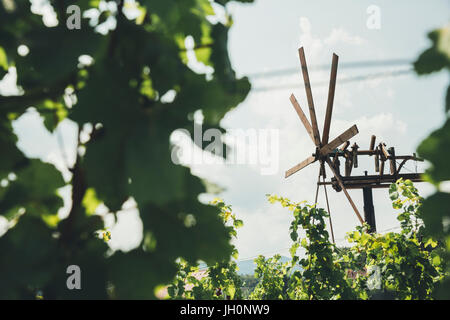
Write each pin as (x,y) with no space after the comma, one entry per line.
(355,155)
(384,155)
(377,160)
(382,167)
(369,211)
(372,143)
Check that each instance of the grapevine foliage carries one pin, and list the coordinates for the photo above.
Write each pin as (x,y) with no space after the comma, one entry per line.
(403,265)
(396,265)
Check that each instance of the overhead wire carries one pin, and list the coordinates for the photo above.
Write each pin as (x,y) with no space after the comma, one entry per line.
(372,76)
(342,65)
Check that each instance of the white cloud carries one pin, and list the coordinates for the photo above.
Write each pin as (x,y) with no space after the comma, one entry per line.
(340,35)
(308,40)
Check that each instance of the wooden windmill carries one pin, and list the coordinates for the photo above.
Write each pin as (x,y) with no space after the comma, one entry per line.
(327,152)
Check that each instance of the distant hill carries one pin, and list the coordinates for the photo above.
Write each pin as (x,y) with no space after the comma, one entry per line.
(247,267)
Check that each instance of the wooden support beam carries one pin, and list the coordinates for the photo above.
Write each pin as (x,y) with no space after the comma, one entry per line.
(373,152)
(373,186)
(385,178)
(355,182)
(302,117)
(363,185)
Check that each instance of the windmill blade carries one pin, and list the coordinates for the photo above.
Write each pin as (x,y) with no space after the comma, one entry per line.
(346,135)
(341,184)
(331,90)
(302,116)
(299,166)
(312,111)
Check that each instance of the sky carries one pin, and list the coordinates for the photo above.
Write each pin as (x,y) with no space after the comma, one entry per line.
(400,110)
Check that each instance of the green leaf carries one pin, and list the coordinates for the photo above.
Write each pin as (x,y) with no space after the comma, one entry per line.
(436,260)
(149,271)
(46,66)
(434,210)
(436,149)
(231,291)
(393,193)
(15,158)
(34,189)
(148,163)
(53,113)
(431,243)
(28,258)
(438,56)
(238,223)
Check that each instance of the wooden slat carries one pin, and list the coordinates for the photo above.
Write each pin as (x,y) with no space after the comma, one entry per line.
(384,153)
(393,164)
(331,90)
(300,166)
(302,116)
(309,97)
(348,134)
(339,180)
